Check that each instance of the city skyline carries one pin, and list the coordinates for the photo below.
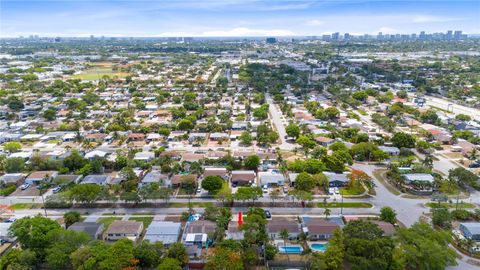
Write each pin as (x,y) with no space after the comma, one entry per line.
(233,18)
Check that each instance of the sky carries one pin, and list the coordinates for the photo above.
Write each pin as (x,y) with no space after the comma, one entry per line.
(218,18)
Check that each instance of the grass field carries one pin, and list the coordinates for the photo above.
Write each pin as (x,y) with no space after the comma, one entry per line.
(96,73)
(106,221)
(345,205)
(21,206)
(379,175)
(461,205)
(352,191)
(146,220)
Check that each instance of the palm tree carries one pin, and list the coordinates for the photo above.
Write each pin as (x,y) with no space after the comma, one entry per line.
(428,161)
(284,236)
(327,212)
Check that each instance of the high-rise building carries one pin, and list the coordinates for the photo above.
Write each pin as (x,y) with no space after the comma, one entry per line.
(271,40)
(449,35)
(380,35)
(346,36)
(336,36)
(422,35)
(457,34)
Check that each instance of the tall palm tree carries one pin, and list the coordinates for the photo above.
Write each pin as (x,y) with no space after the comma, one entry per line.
(327,212)
(284,236)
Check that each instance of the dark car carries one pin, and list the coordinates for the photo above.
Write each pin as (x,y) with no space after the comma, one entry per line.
(475,164)
(267,214)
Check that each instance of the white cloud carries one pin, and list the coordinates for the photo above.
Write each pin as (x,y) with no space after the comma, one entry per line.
(386,30)
(430,19)
(314,23)
(235,32)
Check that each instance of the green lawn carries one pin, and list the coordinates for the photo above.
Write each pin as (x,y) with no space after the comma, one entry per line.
(21,206)
(97,73)
(194,204)
(345,205)
(146,220)
(378,174)
(106,221)
(352,191)
(450,205)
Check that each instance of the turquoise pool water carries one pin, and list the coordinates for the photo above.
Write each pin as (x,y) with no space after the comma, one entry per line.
(319,247)
(290,249)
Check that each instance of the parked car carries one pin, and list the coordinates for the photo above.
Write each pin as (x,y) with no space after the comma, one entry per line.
(10,220)
(475,164)
(56,189)
(24,186)
(268,215)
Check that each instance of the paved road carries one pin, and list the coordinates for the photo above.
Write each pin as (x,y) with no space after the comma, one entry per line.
(452,107)
(276,117)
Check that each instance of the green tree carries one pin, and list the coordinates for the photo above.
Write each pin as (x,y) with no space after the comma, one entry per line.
(71,217)
(463,177)
(63,243)
(293,131)
(177,251)
(185,124)
(441,217)
(284,235)
(12,147)
(306,142)
(246,138)
(335,253)
(305,182)
(31,233)
(387,214)
(170,264)
(14,165)
(212,183)
(252,162)
(401,139)
(14,103)
(84,193)
(50,114)
(148,254)
(425,248)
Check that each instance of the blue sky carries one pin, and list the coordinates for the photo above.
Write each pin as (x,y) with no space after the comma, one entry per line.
(233,17)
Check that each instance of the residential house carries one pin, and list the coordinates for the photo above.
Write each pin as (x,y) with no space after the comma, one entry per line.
(166,232)
(234,231)
(12,179)
(69,178)
(391,150)
(275,226)
(336,179)
(120,229)
(213,171)
(471,230)
(196,232)
(271,179)
(96,179)
(177,179)
(136,137)
(387,228)
(243,178)
(91,228)
(324,141)
(39,176)
(319,228)
(155,177)
(144,156)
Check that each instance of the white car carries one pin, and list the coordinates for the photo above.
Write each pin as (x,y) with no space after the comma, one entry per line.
(336,191)
(331,191)
(24,186)
(56,189)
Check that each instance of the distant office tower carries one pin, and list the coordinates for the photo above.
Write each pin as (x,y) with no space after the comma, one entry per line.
(92,37)
(336,36)
(449,35)
(422,35)
(457,35)
(413,36)
(346,36)
(380,35)
(326,37)
(271,40)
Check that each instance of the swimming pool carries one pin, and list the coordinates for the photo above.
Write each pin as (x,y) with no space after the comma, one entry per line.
(290,249)
(319,247)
